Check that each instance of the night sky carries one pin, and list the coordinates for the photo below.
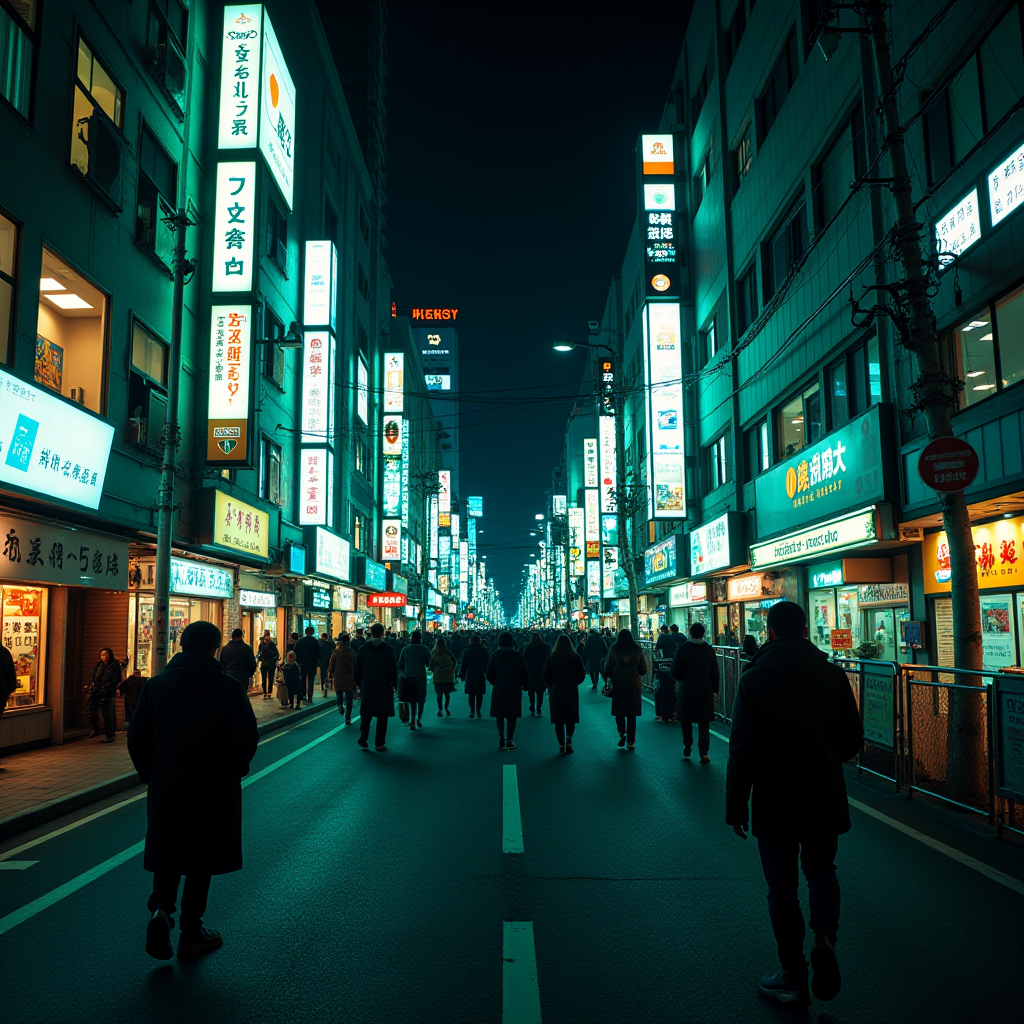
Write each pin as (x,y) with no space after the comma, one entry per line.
(511,182)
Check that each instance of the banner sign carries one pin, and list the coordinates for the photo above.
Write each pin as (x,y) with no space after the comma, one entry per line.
(228,405)
(234,226)
(664,394)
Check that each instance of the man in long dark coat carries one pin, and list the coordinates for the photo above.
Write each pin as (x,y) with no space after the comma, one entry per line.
(238,660)
(594,652)
(665,687)
(508,675)
(695,666)
(307,654)
(376,676)
(191,739)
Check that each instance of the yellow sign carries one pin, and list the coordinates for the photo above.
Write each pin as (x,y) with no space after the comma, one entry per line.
(240,527)
(998,556)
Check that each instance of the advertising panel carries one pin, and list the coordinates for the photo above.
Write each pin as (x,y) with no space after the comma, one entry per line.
(1006,186)
(878,705)
(332,555)
(659,197)
(590,464)
(717,544)
(362,391)
(958,229)
(660,561)
(391,540)
(849,531)
(444,495)
(475,506)
(277,114)
(559,504)
(392,486)
(257,599)
(663,371)
(405,479)
(234,226)
(228,406)
(239,75)
(198,579)
(319,303)
(317,389)
(374,575)
(576,527)
(998,554)
(1008,733)
(240,527)
(593,578)
(683,594)
(51,447)
(657,154)
(314,486)
(593,516)
(394,382)
(608,467)
(392,435)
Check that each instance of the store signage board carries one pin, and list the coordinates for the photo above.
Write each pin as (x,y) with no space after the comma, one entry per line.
(238,526)
(386,600)
(315,479)
(745,588)
(405,479)
(948,464)
(332,555)
(592,514)
(878,703)
(1006,186)
(346,598)
(256,599)
(998,555)
(842,470)
(362,391)
(475,506)
(590,465)
(717,545)
(958,229)
(391,540)
(444,494)
(657,154)
(197,579)
(399,584)
(50,447)
(297,559)
(1008,701)
(841,639)
(559,504)
(608,463)
(319,304)
(660,562)
(238,113)
(664,412)
(392,486)
(850,531)
(576,529)
(659,197)
(593,579)
(394,382)
(826,574)
(683,594)
(391,436)
(374,575)
(32,552)
(317,387)
(234,226)
(228,408)
(277,114)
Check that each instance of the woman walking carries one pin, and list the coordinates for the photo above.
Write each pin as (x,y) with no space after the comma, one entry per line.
(106,677)
(509,676)
(536,653)
(442,669)
(624,668)
(340,668)
(412,679)
(563,673)
(473,672)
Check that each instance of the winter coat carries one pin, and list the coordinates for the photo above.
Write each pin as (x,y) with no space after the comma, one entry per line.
(509,676)
(536,656)
(664,650)
(307,651)
(105,680)
(695,666)
(795,722)
(293,679)
(412,664)
(341,668)
(376,675)
(594,652)
(624,668)
(357,642)
(238,661)
(442,667)
(267,653)
(562,676)
(326,650)
(457,645)
(191,739)
(473,669)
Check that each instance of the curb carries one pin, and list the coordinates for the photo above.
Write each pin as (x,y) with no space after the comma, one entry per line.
(32,817)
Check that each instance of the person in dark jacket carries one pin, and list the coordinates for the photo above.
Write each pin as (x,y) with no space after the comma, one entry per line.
(624,669)
(341,668)
(664,689)
(358,640)
(376,675)
(194,764)
(307,654)
(795,722)
(695,667)
(563,673)
(473,673)
(106,677)
(237,659)
(509,676)
(327,646)
(268,655)
(594,653)
(412,671)
(130,688)
(442,672)
(8,677)
(536,653)
(291,671)
(749,647)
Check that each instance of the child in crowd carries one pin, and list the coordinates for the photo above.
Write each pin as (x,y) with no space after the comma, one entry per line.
(293,680)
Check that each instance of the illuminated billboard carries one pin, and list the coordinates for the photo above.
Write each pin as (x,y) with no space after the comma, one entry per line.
(592,516)
(319,302)
(228,406)
(444,494)
(234,226)
(394,382)
(664,393)
(590,466)
(277,114)
(608,467)
(657,153)
(316,387)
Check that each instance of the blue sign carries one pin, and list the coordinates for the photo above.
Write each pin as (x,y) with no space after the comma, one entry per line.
(475,506)
(297,559)
(375,576)
(660,561)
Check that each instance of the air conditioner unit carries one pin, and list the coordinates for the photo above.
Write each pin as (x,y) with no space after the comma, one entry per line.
(78,395)
(912,533)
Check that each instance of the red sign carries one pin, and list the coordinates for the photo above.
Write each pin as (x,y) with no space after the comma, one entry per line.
(948,464)
(841,639)
(385,600)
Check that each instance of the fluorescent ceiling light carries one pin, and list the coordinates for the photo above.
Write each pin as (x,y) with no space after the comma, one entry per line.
(50,284)
(976,373)
(983,387)
(975,323)
(70,301)
(987,337)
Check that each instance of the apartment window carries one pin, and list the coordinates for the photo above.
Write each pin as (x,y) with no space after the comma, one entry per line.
(273,355)
(744,154)
(709,340)
(8,289)
(71,334)
(838,379)
(799,422)
(270,472)
(990,348)
(361,458)
(701,93)
(784,249)
(166,36)
(758,452)
(277,235)
(155,201)
(363,282)
(746,300)
(779,83)
(718,463)
(984,89)
(843,162)
(96,142)
(147,388)
(358,530)
(702,179)
(18,38)
(734,33)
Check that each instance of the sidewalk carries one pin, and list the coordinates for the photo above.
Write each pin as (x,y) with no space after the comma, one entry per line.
(40,785)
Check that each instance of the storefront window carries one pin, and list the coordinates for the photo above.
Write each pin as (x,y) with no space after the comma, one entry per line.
(823,618)
(999,648)
(755,619)
(140,625)
(727,625)
(70,334)
(1010,334)
(22,627)
(848,617)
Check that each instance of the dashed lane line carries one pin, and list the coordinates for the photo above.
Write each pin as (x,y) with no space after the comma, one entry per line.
(520,991)
(16,865)
(511,818)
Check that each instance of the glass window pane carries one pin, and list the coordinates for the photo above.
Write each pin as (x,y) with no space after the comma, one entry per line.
(105,93)
(965,110)
(8,237)
(790,430)
(835,172)
(840,399)
(814,426)
(766,459)
(977,358)
(15,64)
(874,373)
(1010,335)
(1002,67)
(84,63)
(80,132)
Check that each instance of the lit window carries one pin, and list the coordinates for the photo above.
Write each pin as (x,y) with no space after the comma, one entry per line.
(98,117)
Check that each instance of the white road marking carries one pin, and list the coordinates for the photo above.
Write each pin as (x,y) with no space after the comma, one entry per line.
(520,993)
(511,819)
(16,865)
(30,910)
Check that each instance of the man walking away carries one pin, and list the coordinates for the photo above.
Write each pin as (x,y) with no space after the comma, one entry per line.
(376,676)
(307,654)
(327,646)
(594,653)
(795,723)
(268,656)
(8,679)
(194,764)
(536,653)
(358,640)
(696,669)
(238,660)
(664,689)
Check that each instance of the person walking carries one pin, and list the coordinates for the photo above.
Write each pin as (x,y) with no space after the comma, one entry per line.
(442,669)
(412,671)
(795,722)
(237,659)
(268,655)
(749,647)
(536,653)
(563,674)
(509,677)
(191,739)
(358,640)
(327,646)
(594,653)
(307,654)
(291,670)
(376,675)
(624,669)
(473,673)
(341,668)
(130,688)
(8,679)
(106,677)
(695,668)
(664,690)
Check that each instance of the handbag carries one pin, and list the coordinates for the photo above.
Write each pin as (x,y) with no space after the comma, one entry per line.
(606,690)
(403,712)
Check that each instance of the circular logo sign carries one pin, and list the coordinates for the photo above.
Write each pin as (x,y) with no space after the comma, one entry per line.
(391,431)
(660,282)
(791,481)
(948,464)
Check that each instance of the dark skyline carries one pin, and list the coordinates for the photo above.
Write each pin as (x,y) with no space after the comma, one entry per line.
(511,194)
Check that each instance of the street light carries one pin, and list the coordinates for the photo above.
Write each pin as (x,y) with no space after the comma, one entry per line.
(564,346)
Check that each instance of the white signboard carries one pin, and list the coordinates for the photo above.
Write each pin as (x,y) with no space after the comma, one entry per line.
(958,229)
(835,535)
(332,555)
(320,286)
(576,528)
(590,465)
(593,578)
(394,427)
(315,480)
(1006,186)
(593,516)
(234,226)
(444,495)
(559,503)
(659,197)
(663,370)
(277,114)
(316,387)
(362,391)
(391,540)
(230,362)
(51,447)
(608,468)
(658,154)
(239,76)
(197,579)
(394,382)
(256,599)
(709,546)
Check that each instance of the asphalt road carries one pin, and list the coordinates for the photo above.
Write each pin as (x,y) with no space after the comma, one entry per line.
(376,888)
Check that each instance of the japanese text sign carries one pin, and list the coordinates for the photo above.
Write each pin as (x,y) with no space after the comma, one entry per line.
(234,226)
(319,296)
(317,387)
(277,114)
(1006,186)
(240,76)
(998,555)
(45,553)
(958,229)
(227,409)
(240,527)
(664,392)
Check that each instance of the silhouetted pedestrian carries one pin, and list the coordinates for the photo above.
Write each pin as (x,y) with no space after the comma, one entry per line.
(307,654)
(442,669)
(536,653)
(106,677)
(563,674)
(695,666)
(238,660)
(341,667)
(473,673)
(412,673)
(376,675)
(624,668)
(268,655)
(509,677)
